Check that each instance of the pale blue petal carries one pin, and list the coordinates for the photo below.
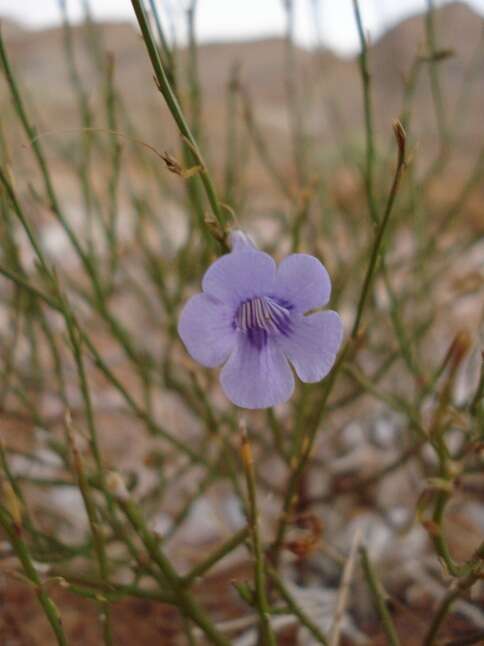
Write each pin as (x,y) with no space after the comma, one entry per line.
(313,344)
(254,378)
(303,281)
(205,327)
(240,275)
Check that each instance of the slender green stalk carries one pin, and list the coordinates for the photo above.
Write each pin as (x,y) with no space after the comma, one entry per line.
(233,169)
(210,477)
(193,76)
(92,515)
(296,609)
(369,128)
(216,556)
(113,592)
(446,474)
(439,617)
(14,535)
(176,111)
(456,590)
(166,53)
(406,344)
(260,577)
(113,185)
(479,394)
(379,599)
(187,604)
(86,121)
(17,491)
(401,138)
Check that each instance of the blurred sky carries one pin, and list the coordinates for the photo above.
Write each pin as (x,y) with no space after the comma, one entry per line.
(230,19)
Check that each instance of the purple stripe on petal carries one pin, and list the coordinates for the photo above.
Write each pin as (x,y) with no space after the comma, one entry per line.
(254,378)
(239,276)
(302,281)
(313,344)
(206,328)
(260,317)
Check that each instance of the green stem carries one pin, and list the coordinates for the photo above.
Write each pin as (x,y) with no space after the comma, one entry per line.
(175,109)
(260,578)
(379,599)
(369,130)
(218,554)
(91,511)
(445,605)
(479,394)
(295,609)
(187,604)
(114,591)
(400,136)
(14,535)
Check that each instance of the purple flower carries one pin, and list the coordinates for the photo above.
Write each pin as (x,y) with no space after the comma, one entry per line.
(251,317)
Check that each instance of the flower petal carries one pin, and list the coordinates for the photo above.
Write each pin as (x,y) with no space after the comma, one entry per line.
(303,281)
(240,275)
(313,344)
(205,327)
(240,241)
(254,378)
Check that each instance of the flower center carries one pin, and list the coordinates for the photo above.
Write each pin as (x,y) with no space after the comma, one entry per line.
(261,316)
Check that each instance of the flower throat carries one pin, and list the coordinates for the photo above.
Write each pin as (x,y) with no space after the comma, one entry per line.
(263,316)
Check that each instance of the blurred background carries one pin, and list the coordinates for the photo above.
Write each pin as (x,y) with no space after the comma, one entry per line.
(248,40)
